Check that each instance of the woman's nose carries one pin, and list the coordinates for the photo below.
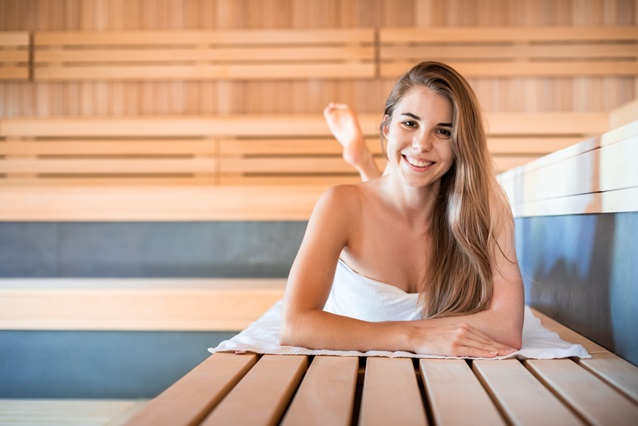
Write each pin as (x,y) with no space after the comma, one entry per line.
(422,143)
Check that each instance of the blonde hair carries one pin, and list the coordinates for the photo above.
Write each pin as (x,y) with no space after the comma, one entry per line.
(460,270)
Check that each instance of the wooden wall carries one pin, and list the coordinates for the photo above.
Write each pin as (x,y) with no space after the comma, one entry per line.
(581,94)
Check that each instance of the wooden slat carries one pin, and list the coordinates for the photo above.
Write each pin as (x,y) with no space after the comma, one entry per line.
(14,38)
(206,72)
(510,33)
(326,395)
(391,393)
(109,166)
(252,55)
(191,398)
(447,382)
(615,371)
(523,399)
(227,37)
(288,147)
(499,52)
(14,56)
(114,147)
(525,69)
(530,145)
(263,395)
(135,304)
(590,397)
(283,165)
(67,411)
(68,203)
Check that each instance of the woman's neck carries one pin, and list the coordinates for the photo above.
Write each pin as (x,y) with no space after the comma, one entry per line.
(415,204)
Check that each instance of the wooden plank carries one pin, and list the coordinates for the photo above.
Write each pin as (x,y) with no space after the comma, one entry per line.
(113,147)
(449,381)
(263,395)
(192,397)
(530,145)
(67,411)
(614,370)
(240,54)
(509,33)
(285,146)
(282,165)
(14,56)
(391,393)
(624,114)
(227,37)
(524,69)
(207,72)
(14,38)
(568,334)
(135,304)
(590,397)
(509,51)
(109,166)
(520,396)
(77,202)
(326,395)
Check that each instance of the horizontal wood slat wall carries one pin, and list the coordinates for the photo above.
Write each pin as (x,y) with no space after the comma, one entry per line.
(14,55)
(286,96)
(513,52)
(282,149)
(205,55)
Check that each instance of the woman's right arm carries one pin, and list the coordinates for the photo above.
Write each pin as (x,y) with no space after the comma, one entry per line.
(304,322)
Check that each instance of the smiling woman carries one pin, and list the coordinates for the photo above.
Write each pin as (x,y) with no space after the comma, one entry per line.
(436,225)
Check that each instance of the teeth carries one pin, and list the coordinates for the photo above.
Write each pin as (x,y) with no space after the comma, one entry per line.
(418,163)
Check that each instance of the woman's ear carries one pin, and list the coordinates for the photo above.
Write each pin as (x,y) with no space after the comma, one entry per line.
(385,126)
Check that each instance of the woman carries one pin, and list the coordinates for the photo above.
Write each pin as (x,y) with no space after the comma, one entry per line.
(434,234)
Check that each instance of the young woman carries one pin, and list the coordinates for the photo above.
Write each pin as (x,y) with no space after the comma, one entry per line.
(422,258)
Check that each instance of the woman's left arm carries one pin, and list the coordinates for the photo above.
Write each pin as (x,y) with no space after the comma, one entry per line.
(503,320)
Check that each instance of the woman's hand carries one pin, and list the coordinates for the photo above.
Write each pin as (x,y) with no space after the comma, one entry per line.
(456,340)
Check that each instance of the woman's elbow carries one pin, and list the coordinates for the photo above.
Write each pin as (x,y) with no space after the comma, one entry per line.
(289,331)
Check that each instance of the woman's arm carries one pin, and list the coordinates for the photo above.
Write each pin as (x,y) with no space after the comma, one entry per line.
(503,321)
(304,323)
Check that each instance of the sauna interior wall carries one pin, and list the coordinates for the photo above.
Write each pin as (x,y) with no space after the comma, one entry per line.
(271,97)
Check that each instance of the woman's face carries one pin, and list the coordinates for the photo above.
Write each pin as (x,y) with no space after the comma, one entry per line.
(419,137)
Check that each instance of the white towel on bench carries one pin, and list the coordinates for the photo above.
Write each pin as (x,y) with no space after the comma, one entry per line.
(360,297)
(262,337)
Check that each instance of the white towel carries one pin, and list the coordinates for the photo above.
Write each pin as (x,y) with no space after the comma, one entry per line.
(262,337)
(360,297)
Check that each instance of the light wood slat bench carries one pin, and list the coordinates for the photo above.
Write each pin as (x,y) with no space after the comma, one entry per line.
(232,150)
(14,55)
(204,55)
(140,304)
(252,389)
(513,51)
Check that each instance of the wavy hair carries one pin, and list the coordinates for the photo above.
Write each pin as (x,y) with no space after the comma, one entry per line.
(470,201)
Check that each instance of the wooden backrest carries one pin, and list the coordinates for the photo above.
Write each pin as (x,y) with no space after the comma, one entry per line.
(204,55)
(14,55)
(513,51)
(230,150)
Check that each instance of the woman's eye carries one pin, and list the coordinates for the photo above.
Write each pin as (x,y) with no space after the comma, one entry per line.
(445,132)
(409,123)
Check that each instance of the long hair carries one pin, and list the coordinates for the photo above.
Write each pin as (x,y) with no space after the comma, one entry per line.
(460,271)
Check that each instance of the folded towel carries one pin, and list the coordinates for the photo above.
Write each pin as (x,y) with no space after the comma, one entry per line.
(262,337)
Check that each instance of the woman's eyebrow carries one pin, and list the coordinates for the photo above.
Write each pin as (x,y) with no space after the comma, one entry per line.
(409,114)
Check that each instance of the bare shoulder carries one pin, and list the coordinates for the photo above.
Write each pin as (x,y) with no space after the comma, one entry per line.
(341,200)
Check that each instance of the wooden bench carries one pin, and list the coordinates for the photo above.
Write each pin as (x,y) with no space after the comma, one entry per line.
(135,304)
(269,389)
(280,149)
(14,55)
(204,55)
(513,51)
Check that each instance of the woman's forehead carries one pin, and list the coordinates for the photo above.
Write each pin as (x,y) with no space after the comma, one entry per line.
(421,100)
